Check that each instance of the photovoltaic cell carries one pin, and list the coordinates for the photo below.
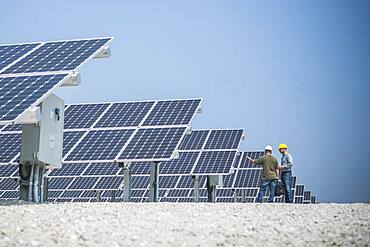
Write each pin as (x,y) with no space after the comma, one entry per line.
(168,181)
(74,169)
(173,112)
(140,168)
(224,139)
(18,93)
(153,144)
(58,56)
(9,146)
(8,170)
(183,165)
(128,114)
(83,116)
(100,145)
(59,183)
(10,53)
(140,182)
(9,184)
(83,183)
(215,162)
(195,140)
(245,163)
(12,127)
(71,193)
(101,169)
(248,178)
(109,183)
(70,138)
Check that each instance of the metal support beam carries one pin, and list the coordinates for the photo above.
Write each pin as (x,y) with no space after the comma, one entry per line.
(154,179)
(211,189)
(235,195)
(113,196)
(126,184)
(98,196)
(196,187)
(243,196)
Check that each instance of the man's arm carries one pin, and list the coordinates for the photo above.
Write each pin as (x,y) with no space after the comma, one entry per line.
(254,162)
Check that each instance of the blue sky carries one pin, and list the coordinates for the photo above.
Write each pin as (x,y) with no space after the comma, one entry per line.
(286,71)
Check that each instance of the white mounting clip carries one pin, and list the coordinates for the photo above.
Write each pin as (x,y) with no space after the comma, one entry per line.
(104,52)
(74,80)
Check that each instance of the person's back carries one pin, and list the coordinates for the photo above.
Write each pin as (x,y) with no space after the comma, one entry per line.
(270,165)
(270,173)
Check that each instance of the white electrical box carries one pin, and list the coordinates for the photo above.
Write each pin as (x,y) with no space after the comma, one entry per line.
(42,143)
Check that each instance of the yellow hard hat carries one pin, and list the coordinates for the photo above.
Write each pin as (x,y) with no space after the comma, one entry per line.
(282,145)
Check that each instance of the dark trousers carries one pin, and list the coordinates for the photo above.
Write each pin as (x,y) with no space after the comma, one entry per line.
(286,178)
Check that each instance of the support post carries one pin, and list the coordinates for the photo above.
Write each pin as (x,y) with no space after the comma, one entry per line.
(235,195)
(154,179)
(243,196)
(196,188)
(211,189)
(98,196)
(113,196)
(126,184)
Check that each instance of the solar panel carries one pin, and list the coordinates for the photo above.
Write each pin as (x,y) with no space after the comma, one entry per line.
(8,170)
(83,116)
(70,138)
(153,144)
(69,170)
(9,147)
(109,183)
(245,163)
(168,181)
(100,145)
(58,56)
(59,183)
(12,128)
(140,168)
(18,93)
(183,165)
(307,195)
(140,182)
(9,184)
(83,183)
(104,168)
(54,193)
(172,112)
(71,193)
(195,140)
(10,194)
(228,180)
(215,162)
(299,190)
(178,193)
(129,114)
(248,178)
(11,53)
(224,139)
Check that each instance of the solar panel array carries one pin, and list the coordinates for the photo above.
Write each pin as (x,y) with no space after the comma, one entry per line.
(31,72)
(124,138)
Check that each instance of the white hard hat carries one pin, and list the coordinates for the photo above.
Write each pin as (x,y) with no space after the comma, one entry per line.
(268,148)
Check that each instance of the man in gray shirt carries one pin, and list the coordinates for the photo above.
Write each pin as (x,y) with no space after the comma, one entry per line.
(286,172)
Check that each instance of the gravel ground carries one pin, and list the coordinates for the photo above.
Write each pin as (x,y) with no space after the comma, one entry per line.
(185,224)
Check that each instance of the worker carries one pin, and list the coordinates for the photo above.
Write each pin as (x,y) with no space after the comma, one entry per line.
(286,172)
(270,176)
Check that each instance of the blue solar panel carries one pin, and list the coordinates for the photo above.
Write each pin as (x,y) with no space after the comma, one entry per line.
(58,56)
(128,114)
(18,93)
(195,140)
(224,139)
(100,145)
(8,170)
(109,183)
(83,183)
(173,112)
(168,182)
(245,163)
(299,190)
(10,53)
(10,194)
(9,146)
(248,178)
(178,193)
(188,182)
(153,144)
(54,193)
(228,180)
(140,182)
(9,184)
(83,116)
(69,170)
(215,162)
(71,193)
(56,183)
(12,127)
(102,169)
(140,168)
(183,165)
(70,138)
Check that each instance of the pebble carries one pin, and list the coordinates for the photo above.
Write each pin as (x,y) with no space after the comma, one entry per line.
(184,224)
